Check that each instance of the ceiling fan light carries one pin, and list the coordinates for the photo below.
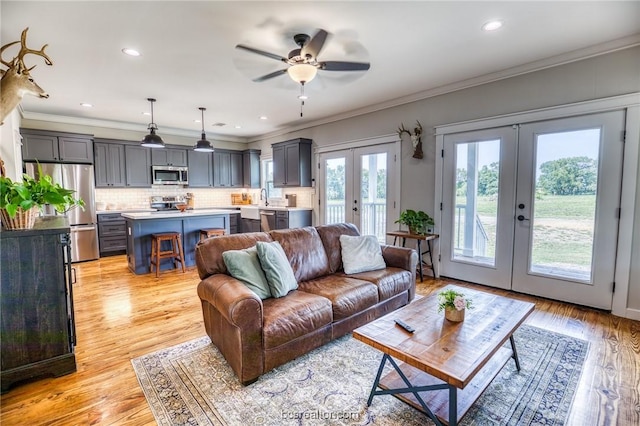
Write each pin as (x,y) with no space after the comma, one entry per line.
(302,73)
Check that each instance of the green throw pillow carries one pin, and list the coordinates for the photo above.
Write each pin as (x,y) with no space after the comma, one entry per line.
(277,268)
(245,266)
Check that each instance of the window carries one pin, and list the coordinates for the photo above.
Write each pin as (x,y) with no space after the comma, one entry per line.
(267,180)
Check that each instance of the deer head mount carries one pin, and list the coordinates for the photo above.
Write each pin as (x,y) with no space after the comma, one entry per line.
(16,79)
(416,138)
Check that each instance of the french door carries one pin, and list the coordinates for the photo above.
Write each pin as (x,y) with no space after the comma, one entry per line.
(535,207)
(359,186)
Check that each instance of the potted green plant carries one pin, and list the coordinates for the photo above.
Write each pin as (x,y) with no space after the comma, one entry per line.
(418,222)
(20,201)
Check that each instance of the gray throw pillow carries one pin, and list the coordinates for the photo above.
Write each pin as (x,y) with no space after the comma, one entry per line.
(277,268)
(361,254)
(244,265)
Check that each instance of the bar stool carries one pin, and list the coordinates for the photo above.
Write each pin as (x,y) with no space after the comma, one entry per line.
(176,253)
(211,232)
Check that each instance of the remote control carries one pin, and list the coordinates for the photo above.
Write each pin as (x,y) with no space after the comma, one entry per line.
(405,326)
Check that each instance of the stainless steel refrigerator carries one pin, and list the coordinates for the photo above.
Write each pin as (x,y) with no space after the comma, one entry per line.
(84,230)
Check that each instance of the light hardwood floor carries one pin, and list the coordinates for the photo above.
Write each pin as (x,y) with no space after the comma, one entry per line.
(120,316)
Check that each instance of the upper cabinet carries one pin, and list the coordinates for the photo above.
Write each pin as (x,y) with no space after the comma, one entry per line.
(109,165)
(251,168)
(292,163)
(46,147)
(227,169)
(169,157)
(138,166)
(200,169)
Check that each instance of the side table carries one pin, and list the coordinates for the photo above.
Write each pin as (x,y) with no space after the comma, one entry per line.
(419,238)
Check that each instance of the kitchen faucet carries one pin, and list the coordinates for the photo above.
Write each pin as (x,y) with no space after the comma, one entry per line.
(266,202)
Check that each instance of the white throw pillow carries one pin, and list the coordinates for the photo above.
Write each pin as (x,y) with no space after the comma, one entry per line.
(361,254)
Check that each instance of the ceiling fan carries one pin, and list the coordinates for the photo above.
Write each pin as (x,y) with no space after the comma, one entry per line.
(303,62)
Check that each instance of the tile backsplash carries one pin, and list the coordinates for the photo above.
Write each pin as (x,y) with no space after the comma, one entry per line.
(136,198)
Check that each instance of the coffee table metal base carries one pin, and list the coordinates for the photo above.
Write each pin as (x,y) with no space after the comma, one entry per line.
(392,382)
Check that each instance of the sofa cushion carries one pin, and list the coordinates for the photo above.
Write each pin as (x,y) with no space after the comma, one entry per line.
(276,268)
(361,253)
(294,316)
(209,252)
(390,281)
(304,250)
(330,236)
(244,265)
(348,295)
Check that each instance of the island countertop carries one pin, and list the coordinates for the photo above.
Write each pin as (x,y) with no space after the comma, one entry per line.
(175,214)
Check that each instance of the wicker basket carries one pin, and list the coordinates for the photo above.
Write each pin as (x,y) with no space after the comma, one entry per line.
(22,219)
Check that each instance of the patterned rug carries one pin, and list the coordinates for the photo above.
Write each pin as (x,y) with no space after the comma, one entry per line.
(191,384)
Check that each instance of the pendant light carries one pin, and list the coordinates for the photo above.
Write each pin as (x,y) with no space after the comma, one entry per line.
(152,140)
(203,145)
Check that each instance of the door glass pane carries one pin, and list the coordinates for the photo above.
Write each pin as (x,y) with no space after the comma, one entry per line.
(564,209)
(475,215)
(373,195)
(335,193)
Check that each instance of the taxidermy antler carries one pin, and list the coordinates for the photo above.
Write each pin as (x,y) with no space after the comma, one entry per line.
(16,79)
(416,138)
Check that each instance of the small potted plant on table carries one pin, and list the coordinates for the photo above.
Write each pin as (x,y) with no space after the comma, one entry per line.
(454,304)
(418,222)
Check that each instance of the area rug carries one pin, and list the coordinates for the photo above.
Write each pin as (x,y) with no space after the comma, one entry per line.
(191,384)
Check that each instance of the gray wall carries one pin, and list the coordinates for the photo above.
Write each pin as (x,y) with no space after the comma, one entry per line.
(603,76)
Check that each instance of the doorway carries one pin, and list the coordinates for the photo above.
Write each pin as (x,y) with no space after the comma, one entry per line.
(535,207)
(358,186)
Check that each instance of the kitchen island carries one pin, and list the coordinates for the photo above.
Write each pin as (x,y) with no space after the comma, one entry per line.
(140,226)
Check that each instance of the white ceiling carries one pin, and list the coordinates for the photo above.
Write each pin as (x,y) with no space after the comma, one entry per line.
(189,57)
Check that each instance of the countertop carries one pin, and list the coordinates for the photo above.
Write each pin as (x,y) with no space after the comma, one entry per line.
(125,211)
(175,214)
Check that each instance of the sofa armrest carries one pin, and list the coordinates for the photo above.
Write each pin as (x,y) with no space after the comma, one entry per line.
(403,258)
(233,320)
(237,304)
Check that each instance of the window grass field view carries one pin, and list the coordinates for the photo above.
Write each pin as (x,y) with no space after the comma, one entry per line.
(562,231)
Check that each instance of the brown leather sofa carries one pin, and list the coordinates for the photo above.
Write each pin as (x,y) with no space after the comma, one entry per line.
(257,335)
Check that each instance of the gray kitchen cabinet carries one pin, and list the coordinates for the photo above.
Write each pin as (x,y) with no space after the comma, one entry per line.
(109,165)
(112,234)
(46,147)
(137,166)
(169,157)
(250,225)
(200,169)
(233,223)
(292,163)
(251,168)
(227,169)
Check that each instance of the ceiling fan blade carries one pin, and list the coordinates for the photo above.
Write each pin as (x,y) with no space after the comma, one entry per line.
(344,66)
(314,46)
(271,75)
(261,52)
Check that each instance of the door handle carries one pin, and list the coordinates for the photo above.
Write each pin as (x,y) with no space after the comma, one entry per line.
(521,218)
(355,209)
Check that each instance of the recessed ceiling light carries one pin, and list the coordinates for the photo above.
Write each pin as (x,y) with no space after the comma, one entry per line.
(238,126)
(146,113)
(303,97)
(197,121)
(86,105)
(131,52)
(263,117)
(492,26)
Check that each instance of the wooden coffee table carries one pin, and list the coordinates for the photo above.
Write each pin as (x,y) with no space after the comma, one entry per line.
(444,366)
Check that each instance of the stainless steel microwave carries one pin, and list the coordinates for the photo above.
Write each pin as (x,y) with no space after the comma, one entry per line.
(169,175)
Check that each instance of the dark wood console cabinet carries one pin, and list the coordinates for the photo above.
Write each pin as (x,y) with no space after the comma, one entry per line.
(37,331)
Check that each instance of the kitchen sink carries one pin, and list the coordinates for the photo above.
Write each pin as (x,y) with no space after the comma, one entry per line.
(250,212)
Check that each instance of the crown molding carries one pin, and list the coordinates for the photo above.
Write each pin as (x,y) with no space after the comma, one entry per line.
(550,62)
(118,125)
